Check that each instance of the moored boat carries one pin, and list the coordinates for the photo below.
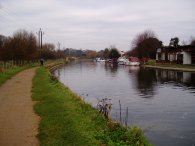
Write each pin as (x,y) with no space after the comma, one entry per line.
(133,61)
(100,60)
(121,60)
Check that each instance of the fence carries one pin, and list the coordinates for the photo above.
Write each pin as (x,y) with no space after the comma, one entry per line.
(13,63)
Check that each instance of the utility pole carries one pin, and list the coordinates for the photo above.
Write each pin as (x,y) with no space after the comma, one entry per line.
(40,35)
(58,45)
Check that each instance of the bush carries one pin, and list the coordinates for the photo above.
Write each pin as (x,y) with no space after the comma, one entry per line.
(151,62)
(117,135)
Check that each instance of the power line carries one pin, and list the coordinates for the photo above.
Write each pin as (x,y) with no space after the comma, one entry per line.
(10,16)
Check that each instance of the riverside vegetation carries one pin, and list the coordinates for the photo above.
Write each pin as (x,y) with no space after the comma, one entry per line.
(68,120)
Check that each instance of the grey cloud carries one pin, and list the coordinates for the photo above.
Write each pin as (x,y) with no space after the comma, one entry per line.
(96,24)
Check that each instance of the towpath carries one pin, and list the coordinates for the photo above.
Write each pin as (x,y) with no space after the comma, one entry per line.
(18,122)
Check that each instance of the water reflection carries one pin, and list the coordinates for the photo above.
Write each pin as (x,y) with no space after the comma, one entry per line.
(146,82)
(184,78)
(133,69)
(148,79)
(110,68)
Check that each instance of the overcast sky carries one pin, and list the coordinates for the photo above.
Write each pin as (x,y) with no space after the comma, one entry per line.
(97,24)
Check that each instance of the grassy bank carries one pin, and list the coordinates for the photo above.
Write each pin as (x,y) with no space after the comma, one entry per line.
(8,73)
(170,66)
(67,121)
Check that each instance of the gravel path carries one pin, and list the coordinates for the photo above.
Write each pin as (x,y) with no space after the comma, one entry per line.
(18,122)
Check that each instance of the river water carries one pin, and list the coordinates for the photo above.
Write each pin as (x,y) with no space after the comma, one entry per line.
(161,102)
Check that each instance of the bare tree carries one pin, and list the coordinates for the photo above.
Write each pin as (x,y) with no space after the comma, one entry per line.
(142,36)
(145,45)
(2,43)
(22,46)
(192,40)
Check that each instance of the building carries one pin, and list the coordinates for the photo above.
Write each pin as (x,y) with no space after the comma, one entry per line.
(180,54)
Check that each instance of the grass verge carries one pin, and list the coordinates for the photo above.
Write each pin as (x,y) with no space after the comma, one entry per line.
(8,73)
(170,65)
(67,121)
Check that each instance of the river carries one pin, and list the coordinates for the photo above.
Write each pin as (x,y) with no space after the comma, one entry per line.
(161,102)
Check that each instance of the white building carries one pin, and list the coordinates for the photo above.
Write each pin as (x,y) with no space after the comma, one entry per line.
(181,54)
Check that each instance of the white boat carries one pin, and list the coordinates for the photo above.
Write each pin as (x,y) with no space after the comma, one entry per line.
(132,61)
(100,60)
(121,60)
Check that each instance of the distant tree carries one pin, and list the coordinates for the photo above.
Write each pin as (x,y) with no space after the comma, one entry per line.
(114,53)
(59,54)
(2,43)
(91,54)
(24,44)
(174,42)
(142,36)
(145,45)
(192,42)
(133,53)
(149,47)
(100,54)
(7,50)
(48,51)
(184,43)
(106,53)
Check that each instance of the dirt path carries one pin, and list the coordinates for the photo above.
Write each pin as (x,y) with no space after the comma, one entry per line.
(18,122)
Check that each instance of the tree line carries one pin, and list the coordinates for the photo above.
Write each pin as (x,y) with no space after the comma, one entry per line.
(23,46)
(144,46)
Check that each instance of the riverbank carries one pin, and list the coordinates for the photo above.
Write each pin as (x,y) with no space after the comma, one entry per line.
(171,68)
(176,67)
(67,120)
